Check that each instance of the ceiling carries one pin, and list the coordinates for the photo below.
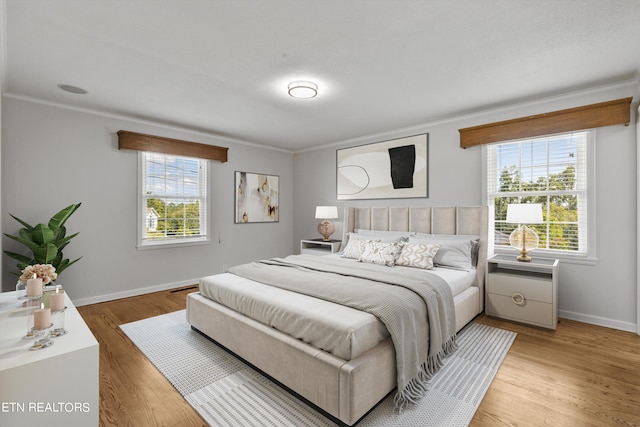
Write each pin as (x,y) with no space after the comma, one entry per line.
(222,67)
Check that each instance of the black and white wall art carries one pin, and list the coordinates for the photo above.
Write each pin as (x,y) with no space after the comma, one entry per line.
(384,170)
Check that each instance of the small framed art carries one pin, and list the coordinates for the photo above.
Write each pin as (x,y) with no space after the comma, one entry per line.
(256,198)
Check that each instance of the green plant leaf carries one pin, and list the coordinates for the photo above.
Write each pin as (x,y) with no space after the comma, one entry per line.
(19,257)
(21,266)
(64,242)
(64,265)
(61,217)
(26,234)
(26,225)
(43,234)
(57,260)
(28,243)
(45,241)
(61,263)
(46,253)
(61,232)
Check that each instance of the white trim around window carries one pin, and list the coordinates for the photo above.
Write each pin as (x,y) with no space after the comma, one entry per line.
(172,201)
(583,250)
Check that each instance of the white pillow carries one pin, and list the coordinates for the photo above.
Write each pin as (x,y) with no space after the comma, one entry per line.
(384,236)
(417,255)
(447,236)
(355,246)
(381,253)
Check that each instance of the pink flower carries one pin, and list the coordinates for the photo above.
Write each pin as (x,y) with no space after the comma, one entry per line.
(46,272)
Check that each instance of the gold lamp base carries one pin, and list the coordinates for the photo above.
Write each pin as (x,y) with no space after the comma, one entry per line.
(524,257)
(525,240)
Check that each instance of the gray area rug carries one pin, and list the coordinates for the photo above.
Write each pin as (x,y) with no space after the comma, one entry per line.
(227,392)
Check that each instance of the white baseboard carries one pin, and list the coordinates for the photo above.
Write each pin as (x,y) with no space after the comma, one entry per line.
(133,292)
(600,321)
(579,317)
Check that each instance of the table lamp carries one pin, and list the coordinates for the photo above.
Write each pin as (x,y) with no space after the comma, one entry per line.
(326,227)
(524,238)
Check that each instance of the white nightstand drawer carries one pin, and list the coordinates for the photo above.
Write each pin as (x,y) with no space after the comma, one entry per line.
(530,311)
(533,288)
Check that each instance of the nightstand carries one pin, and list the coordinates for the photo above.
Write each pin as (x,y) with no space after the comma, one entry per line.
(524,292)
(319,246)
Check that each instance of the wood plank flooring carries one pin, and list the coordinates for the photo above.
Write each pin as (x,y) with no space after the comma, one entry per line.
(578,375)
(132,391)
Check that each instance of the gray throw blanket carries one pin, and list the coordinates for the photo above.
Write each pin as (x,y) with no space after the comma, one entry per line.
(418,313)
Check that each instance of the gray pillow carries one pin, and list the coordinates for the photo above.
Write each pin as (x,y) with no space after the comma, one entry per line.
(475,242)
(453,252)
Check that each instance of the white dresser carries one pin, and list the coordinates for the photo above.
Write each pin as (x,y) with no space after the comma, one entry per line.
(55,386)
(525,292)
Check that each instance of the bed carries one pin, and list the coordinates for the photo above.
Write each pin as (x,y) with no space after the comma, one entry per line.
(343,373)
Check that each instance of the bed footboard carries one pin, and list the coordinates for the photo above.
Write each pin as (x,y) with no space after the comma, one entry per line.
(346,390)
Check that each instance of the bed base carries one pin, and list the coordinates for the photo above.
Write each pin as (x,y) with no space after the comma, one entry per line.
(346,390)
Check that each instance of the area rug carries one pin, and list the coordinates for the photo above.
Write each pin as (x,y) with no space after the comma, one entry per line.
(225,391)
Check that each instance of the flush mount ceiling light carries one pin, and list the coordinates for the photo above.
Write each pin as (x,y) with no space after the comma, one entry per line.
(73,89)
(303,89)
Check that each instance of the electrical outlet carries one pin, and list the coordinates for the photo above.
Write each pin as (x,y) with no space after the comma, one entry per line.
(224,267)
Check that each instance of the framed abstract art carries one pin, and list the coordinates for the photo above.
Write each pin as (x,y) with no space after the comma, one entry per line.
(256,198)
(392,169)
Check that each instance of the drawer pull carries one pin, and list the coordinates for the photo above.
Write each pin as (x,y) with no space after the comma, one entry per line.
(518,299)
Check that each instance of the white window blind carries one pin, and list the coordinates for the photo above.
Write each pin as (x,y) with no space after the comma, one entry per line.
(550,170)
(173,199)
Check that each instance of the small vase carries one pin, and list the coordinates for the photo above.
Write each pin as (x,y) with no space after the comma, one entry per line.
(21,289)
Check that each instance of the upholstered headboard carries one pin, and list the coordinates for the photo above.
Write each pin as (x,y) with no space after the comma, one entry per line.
(472,220)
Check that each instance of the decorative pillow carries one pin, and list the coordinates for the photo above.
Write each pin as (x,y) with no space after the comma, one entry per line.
(381,253)
(475,242)
(355,247)
(417,255)
(453,253)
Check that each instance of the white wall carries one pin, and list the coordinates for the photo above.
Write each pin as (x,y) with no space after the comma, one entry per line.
(52,157)
(3,76)
(638,224)
(604,293)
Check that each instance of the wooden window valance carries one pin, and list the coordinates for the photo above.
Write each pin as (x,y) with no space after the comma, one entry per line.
(586,117)
(159,144)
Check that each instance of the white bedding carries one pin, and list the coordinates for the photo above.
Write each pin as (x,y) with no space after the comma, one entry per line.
(342,331)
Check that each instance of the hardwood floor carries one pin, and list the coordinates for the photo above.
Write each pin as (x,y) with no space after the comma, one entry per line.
(578,375)
(132,391)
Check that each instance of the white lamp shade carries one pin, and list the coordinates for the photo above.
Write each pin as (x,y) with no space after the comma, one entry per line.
(524,213)
(326,212)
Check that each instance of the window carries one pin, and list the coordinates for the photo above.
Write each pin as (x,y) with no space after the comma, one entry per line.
(173,199)
(551,170)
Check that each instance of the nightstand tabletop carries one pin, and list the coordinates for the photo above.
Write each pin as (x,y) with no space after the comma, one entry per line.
(535,261)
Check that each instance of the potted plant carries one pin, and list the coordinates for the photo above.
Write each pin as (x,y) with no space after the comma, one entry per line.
(45,241)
